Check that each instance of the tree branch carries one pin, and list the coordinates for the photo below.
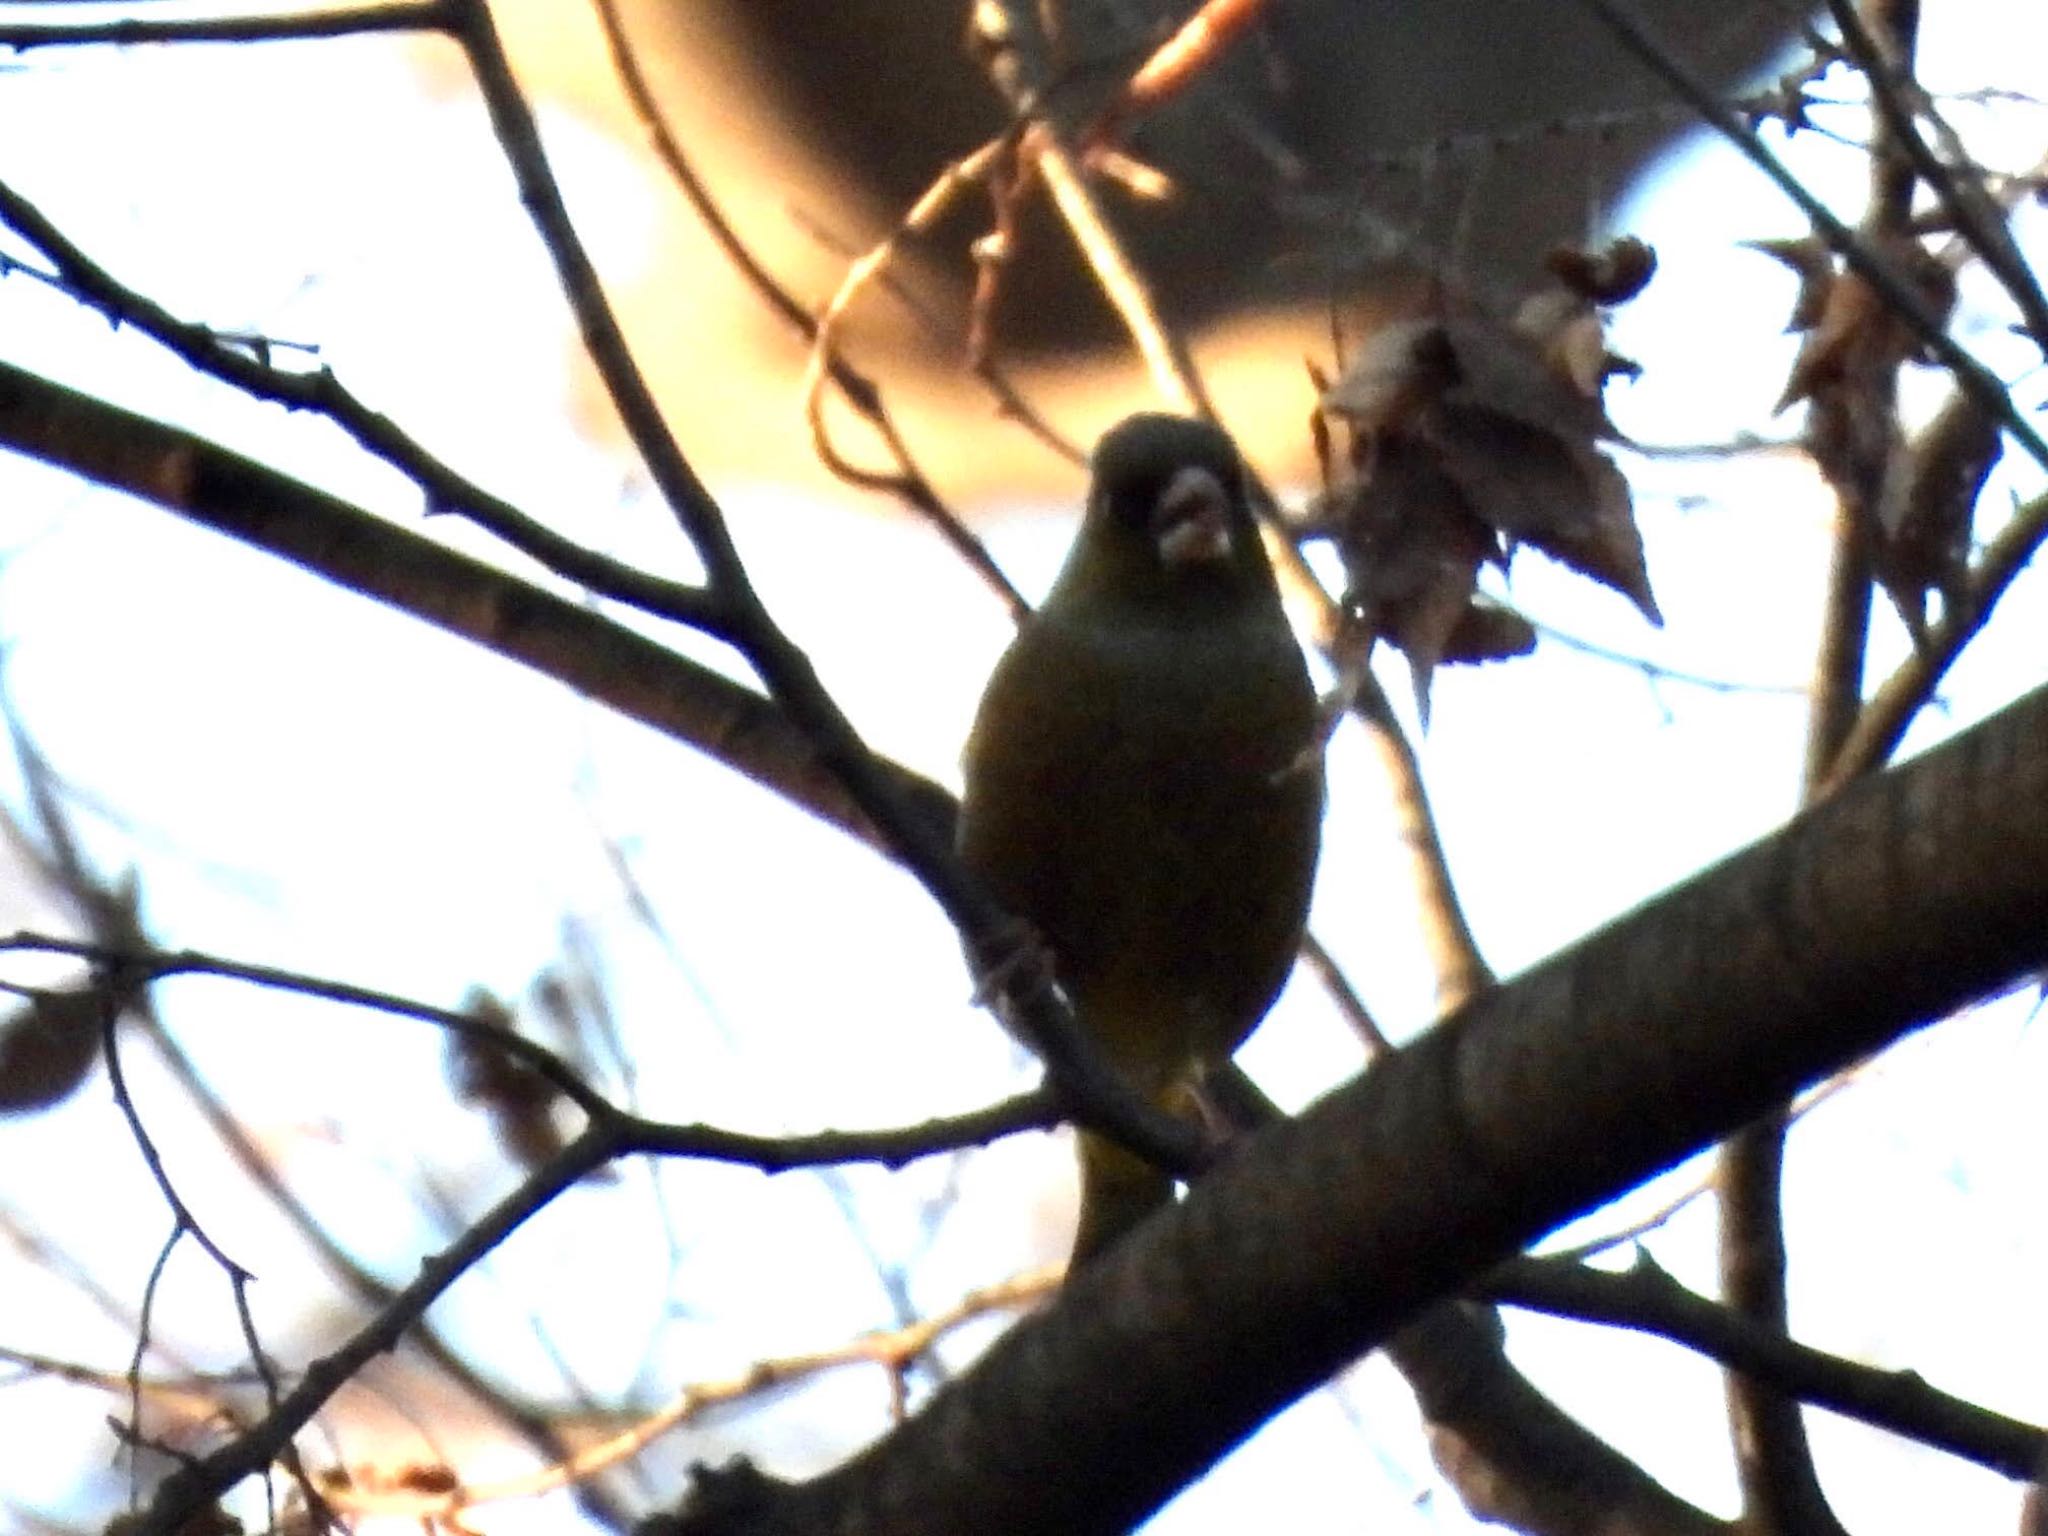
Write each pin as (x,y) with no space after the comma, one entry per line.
(354,549)
(129,31)
(321,392)
(1894,903)
(1030,1003)
(1646,1299)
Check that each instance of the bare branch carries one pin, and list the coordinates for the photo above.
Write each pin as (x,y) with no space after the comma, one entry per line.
(361,552)
(1899,99)
(1647,1299)
(1033,1006)
(1542,1099)
(894,1351)
(129,31)
(1868,262)
(445,489)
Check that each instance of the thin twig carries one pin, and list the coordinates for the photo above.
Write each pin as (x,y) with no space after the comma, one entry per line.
(1166,356)
(1881,724)
(322,393)
(432,16)
(907,482)
(1324,967)
(630,1133)
(1658,672)
(1871,264)
(152,965)
(1175,65)
(894,1351)
(1898,97)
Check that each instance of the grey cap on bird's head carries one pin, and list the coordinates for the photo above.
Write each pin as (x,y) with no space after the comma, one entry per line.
(1151,444)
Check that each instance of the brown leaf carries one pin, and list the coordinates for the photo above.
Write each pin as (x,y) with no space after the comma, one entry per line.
(1411,550)
(1555,493)
(1858,337)
(1612,275)
(1929,501)
(1467,431)
(1401,369)
(1489,632)
(1810,258)
(1570,337)
(48,1048)
(487,1075)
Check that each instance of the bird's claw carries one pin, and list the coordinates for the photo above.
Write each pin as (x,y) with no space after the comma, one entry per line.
(1015,951)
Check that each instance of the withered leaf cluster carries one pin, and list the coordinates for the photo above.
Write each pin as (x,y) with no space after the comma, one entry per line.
(488,1076)
(1471,435)
(48,1047)
(1928,504)
(1850,335)
(1923,492)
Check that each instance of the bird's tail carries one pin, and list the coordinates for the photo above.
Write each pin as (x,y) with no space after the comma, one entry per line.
(1119,1189)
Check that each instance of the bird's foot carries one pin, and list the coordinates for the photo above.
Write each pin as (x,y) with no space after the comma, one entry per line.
(1016,953)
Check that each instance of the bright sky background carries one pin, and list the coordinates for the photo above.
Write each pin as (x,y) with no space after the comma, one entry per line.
(310,781)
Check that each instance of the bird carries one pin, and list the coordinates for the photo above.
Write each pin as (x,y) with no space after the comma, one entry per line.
(1143,783)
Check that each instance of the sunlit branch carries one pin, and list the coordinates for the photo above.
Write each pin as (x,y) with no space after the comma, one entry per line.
(894,1351)
(1032,1005)
(907,482)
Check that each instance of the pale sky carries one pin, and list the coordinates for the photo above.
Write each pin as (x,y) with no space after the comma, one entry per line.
(312,782)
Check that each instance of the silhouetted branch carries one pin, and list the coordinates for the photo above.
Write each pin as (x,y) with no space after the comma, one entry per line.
(1895,902)
(321,392)
(1646,1299)
(130,31)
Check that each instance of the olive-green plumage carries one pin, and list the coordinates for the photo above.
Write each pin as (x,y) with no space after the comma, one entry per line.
(1142,781)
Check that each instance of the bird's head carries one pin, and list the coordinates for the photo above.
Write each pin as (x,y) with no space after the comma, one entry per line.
(1168,524)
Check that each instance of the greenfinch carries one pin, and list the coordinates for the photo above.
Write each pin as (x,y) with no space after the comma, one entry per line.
(1143,783)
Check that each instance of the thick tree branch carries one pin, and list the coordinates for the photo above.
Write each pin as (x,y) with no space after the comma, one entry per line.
(1896,902)
(341,543)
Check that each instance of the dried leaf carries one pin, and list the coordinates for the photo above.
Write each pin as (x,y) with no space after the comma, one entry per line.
(1857,337)
(1570,337)
(1489,632)
(1402,368)
(1467,431)
(1810,258)
(1929,502)
(1412,551)
(1542,489)
(1612,275)
(48,1048)
(488,1076)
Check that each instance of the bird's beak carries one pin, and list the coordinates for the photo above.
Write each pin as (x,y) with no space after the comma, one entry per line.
(1191,519)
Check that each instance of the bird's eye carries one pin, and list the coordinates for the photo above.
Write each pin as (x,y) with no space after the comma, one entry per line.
(1191,518)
